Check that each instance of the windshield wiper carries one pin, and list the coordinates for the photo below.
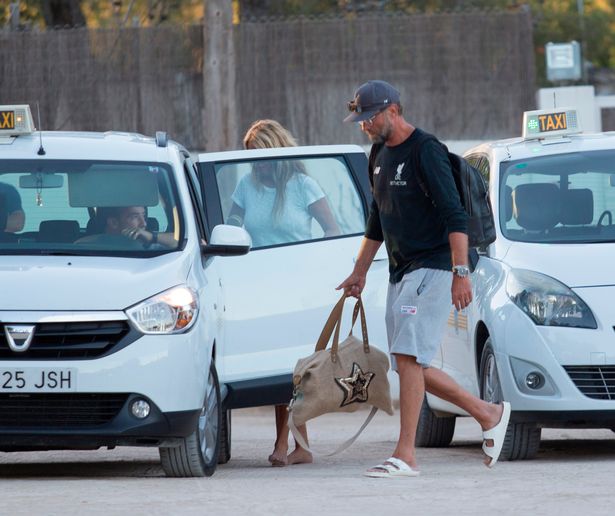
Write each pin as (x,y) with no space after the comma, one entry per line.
(50,252)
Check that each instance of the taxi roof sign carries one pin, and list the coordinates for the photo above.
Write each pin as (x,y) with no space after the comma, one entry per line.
(551,122)
(15,119)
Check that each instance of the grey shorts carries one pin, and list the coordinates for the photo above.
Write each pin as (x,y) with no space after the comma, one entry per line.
(416,314)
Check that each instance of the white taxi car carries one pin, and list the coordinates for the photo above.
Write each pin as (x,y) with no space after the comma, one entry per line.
(122,319)
(541,331)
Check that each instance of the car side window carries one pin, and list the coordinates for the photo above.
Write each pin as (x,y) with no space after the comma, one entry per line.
(284,201)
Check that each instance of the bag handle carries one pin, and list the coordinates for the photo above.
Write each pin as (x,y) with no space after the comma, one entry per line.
(299,438)
(334,322)
(358,308)
(330,325)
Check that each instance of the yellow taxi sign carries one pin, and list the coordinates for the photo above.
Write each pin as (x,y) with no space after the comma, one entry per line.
(15,119)
(553,122)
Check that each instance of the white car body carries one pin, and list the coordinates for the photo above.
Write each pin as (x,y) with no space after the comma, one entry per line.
(577,365)
(257,314)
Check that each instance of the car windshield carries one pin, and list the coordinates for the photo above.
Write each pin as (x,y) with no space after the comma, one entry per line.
(564,198)
(82,207)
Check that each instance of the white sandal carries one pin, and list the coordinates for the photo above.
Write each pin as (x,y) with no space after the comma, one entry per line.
(497,434)
(392,467)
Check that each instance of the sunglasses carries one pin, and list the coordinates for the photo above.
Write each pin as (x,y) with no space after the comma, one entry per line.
(355,107)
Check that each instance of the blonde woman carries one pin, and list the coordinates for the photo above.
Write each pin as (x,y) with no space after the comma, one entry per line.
(276,203)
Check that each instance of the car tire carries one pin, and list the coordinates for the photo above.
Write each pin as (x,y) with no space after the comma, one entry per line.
(434,431)
(197,455)
(522,440)
(225,438)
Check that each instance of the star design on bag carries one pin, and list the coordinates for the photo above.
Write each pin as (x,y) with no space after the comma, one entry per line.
(355,386)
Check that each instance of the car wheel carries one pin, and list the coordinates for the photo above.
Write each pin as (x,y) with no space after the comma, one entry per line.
(225,438)
(434,431)
(197,455)
(522,440)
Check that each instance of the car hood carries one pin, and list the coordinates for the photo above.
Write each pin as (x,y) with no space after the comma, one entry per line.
(86,282)
(575,265)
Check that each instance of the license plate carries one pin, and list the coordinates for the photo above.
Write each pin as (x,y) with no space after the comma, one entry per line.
(37,379)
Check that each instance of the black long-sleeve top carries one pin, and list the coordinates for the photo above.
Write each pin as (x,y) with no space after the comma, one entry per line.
(414,227)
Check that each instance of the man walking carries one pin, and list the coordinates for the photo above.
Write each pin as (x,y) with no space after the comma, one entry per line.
(427,243)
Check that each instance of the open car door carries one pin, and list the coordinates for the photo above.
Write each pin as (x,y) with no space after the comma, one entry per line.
(278,297)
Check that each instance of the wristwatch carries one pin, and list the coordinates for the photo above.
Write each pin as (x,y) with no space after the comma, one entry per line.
(463,271)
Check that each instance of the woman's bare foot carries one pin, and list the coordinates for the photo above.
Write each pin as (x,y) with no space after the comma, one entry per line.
(278,458)
(300,456)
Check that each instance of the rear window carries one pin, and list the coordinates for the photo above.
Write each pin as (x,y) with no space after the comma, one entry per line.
(88,207)
(565,198)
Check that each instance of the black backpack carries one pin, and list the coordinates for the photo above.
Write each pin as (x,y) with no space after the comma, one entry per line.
(472,189)
(473,193)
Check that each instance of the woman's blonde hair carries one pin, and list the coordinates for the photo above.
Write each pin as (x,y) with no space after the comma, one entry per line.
(267,134)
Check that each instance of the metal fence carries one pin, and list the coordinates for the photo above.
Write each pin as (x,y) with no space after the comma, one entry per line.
(137,79)
(462,75)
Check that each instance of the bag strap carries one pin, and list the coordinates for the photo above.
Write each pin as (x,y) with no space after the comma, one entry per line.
(334,323)
(330,325)
(299,438)
(358,308)
(416,156)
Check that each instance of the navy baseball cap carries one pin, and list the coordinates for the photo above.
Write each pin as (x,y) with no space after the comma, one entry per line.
(371,98)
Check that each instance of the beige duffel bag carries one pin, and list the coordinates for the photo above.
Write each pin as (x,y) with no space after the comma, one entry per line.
(343,378)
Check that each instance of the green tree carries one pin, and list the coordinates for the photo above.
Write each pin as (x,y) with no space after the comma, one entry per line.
(103,13)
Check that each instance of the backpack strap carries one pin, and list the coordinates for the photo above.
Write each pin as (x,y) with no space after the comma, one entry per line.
(416,158)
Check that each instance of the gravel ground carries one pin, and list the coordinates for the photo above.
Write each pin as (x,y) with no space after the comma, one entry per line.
(571,475)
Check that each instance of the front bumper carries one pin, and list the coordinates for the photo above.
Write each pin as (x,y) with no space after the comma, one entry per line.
(66,422)
(566,419)
(170,370)
(578,367)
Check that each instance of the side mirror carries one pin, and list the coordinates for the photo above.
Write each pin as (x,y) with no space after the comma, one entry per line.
(227,241)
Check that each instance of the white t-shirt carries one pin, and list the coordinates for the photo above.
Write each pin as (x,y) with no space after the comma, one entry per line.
(294,223)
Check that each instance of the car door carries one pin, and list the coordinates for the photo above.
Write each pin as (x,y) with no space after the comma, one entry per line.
(278,296)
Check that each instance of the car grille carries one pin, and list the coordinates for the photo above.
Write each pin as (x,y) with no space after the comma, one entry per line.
(71,340)
(597,382)
(59,410)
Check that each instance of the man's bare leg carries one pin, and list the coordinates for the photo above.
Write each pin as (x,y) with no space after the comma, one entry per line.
(411,394)
(280,449)
(440,384)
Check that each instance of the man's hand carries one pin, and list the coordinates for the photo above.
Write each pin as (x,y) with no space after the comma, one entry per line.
(353,285)
(461,292)
(138,234)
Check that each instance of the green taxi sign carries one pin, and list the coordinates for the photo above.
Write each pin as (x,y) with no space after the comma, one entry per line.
(15,120)
(545,123)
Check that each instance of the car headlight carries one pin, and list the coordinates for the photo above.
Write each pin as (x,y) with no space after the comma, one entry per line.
(171,311)
(547,301)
